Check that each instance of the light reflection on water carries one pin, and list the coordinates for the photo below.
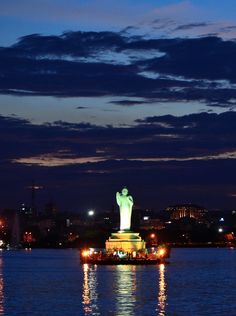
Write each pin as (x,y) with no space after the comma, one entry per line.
(1,289)
(53,282)
(122,290)
(121,296)
(89,294)
(162,297)
(125,289)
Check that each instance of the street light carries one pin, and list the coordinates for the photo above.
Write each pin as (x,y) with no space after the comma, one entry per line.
(91,213)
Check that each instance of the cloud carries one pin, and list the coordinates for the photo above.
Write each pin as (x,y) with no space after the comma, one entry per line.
(200,69)
(82,107)
(192,156)
(219,156)
(54,160)
(191,26)
(154,139)
(128,102)
(178,10)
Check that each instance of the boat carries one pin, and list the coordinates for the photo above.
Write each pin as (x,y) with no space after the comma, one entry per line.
(101,257)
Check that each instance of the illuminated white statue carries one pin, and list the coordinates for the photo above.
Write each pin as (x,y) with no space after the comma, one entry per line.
(125,203)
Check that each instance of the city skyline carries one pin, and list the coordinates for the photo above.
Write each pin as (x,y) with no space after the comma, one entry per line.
(98,95)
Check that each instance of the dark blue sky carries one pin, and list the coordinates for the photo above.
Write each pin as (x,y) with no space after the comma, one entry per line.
(98,94)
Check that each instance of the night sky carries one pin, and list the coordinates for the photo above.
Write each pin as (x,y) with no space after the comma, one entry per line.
(96,95)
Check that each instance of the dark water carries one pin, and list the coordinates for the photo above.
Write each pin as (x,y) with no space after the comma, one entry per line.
(52,282)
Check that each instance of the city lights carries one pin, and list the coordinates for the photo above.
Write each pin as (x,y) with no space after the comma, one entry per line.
(118,158)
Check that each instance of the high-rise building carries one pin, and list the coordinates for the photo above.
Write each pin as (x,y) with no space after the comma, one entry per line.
(186,210)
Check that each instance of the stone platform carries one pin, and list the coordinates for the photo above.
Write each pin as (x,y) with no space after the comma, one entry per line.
(125,241)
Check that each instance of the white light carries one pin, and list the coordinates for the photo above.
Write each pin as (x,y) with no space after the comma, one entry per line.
(121,254)
(222,219)
(91,251)
(220,230)
(146,218)
(91,213)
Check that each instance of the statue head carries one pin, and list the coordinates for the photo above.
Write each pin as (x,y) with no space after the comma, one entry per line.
(124,191)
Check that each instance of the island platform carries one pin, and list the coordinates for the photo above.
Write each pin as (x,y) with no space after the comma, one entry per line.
(125,246)
(149,256)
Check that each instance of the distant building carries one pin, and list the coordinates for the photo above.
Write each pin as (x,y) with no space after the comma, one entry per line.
(186,211)
(25,210)
(46,225)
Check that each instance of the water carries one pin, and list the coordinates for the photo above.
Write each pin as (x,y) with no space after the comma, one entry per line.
(52,282)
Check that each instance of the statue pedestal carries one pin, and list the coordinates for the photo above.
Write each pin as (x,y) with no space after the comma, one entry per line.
(125,241)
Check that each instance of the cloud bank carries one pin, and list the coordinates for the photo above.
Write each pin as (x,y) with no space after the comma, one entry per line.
(112,64)
(183,159)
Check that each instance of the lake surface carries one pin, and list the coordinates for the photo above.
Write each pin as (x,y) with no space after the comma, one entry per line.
(52,282)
